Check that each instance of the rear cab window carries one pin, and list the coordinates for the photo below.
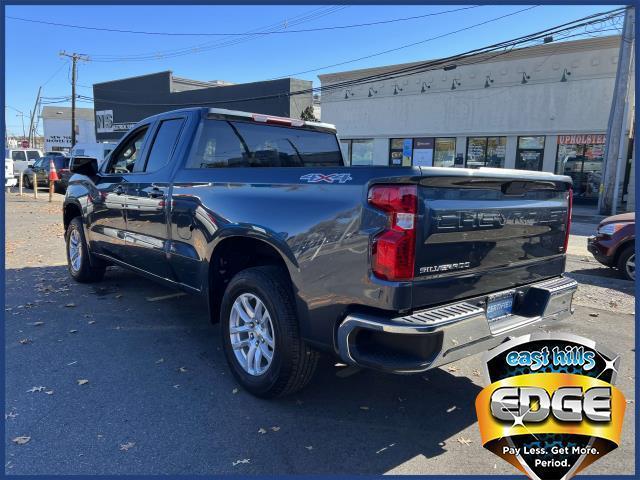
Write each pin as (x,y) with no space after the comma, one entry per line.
(222,143)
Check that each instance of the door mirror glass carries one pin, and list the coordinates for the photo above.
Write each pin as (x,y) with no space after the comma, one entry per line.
(84,166)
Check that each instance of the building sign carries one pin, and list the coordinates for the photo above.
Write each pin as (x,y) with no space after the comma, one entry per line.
(104,121)
(581,139)
(123,127)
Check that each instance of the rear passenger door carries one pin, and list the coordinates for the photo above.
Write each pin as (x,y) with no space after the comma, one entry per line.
(147,237)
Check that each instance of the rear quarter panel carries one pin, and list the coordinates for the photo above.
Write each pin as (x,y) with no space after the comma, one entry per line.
(321,228)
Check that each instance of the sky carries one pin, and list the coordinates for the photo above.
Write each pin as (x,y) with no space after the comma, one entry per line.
(33,60)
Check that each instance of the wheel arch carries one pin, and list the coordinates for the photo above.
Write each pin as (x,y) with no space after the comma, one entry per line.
(237,251)
(622,247)
(69,212)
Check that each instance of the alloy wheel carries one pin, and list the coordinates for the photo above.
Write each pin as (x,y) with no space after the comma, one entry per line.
(630,267)
(75,250)
(251,333)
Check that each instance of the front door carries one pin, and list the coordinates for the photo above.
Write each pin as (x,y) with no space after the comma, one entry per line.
(530,153)
(147,237)
(107,219)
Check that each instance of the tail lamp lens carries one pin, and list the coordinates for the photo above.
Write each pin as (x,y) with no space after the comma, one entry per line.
(393,250)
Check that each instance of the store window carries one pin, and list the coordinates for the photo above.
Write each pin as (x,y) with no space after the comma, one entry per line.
(361,152)
(401,152)
(486,152)
(581,157)
(444,154)
(530,153)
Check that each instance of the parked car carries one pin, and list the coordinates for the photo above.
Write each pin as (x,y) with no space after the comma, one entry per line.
(614,244)
(42,167)
(9,178)
(22,158)
(400,269)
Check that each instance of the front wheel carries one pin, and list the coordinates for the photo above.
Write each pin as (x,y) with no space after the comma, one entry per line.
(627,263)
(260,334)
(78,261)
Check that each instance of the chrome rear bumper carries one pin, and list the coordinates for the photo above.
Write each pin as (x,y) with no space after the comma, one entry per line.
(437,336)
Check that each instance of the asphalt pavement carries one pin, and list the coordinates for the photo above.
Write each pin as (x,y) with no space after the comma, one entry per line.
(128,377)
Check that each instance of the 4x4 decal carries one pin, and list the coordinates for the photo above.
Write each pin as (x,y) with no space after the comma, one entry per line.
(330,178)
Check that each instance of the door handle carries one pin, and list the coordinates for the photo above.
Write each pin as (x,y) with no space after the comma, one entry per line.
(155,192)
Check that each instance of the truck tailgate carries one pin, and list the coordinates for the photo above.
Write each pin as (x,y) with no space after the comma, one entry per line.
(480,234)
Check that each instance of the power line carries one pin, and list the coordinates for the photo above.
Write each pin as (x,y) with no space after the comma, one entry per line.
(225,34)
(408,45)
(207,46)
(500,48)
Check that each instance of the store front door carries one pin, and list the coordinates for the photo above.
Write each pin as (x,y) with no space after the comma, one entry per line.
(530,153)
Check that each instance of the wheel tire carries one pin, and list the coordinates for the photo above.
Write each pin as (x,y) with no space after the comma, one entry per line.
(26,183)
(86,269)
(626,263)
(293,362)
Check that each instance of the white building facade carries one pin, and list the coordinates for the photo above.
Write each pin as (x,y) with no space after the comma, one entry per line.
(56,125)
(541,108)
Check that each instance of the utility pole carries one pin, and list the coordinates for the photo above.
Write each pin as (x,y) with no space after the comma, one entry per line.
(607,200)
(33,114)
(74,61)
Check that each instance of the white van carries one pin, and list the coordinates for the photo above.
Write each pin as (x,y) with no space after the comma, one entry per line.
(94,150)
(22,158)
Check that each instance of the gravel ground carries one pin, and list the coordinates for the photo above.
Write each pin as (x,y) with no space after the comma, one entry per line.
(159,399)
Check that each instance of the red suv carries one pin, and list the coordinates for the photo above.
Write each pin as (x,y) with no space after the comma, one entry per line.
(614,244)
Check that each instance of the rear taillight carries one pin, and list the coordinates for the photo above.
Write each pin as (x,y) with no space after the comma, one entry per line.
(569,209)
(393,250)
(64,170)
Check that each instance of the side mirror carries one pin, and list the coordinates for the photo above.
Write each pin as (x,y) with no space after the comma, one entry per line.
(87,166)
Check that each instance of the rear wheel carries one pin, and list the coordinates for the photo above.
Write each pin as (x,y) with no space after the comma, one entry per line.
(627,263)
(80,266)
(26,182)
(260,334)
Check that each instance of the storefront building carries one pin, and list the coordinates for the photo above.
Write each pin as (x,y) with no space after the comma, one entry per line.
(120,104)
(543,108)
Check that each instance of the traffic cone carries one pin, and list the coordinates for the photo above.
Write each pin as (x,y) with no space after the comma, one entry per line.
(53,174)
(53,177)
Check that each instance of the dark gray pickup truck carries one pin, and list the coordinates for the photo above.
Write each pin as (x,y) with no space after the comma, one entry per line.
(397,269)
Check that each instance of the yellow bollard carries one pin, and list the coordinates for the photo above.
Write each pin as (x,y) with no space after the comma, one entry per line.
(50,191)
(35,186)
(20,182)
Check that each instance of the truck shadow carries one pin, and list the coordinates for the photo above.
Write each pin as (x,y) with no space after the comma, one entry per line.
(364,423)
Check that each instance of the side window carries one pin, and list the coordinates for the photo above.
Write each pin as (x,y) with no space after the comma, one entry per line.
(216,146)
(128,154)
(18,156)
(33,154)
(164,144)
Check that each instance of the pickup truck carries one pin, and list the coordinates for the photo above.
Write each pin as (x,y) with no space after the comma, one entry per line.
(399,269)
